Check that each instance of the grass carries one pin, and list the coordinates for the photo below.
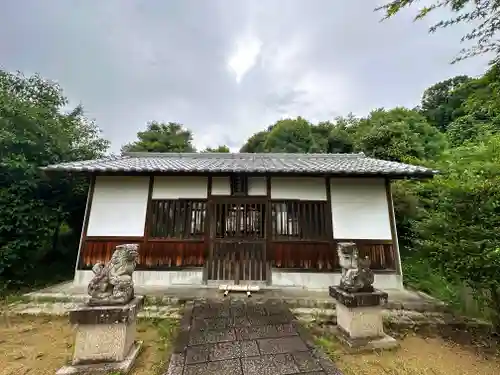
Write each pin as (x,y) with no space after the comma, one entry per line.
(417,356)
(43,344)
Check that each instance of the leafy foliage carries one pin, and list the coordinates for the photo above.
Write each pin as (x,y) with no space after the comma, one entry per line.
(397,135)
(39,210)
(161,137)
(299,135)
(484,13)
(222,148)
(291,135)
(458,232)
(442,102)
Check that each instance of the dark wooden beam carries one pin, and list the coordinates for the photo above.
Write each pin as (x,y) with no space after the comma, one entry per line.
(329,208)
(209,216)
(392,219)
(86,217)
(268,231)
(147,220)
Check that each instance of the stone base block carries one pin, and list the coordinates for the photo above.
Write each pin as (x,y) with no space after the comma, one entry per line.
(104,333)
(360,322)
(384,342)
(122,367)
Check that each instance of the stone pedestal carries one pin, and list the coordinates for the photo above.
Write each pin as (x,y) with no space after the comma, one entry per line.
(359,320)
(105,338)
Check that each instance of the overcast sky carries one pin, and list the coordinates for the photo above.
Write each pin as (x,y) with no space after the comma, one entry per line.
(225,69)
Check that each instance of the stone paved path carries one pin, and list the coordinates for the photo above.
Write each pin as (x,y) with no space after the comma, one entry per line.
(245,338)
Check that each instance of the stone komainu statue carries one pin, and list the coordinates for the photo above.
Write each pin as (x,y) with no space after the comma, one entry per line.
(112,283)
(356,273)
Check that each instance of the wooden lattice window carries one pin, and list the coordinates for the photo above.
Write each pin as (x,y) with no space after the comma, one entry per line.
(239,184)
(300,220)
(177,218)
(239,220)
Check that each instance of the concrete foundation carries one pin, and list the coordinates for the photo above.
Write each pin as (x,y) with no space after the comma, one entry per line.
(323,280)
(151,278)
(279,279)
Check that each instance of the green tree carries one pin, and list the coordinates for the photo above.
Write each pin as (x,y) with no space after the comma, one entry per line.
(223,149)
(479,113)
(292,135)
(484,14)
(256,142)
(341,137)
(442,102)
(161,137)
(398,134)
(458,233)
(34,131)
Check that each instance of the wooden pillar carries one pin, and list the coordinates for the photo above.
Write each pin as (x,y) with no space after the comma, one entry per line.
(394,233)
(88,206)
(147,220)
(268,231)
(329,208)
(209,216)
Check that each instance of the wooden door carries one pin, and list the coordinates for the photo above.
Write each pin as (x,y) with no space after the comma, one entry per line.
(237,240)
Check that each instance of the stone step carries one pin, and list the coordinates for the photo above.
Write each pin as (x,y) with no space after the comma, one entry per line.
(421,305)
(62,308)
(398,319)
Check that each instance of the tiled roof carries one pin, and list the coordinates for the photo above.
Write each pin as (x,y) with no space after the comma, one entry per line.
(352,164)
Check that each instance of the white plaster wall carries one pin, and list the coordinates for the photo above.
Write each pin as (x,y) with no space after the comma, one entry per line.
(304,188)
(322,280)
(178,187)
(257,186)
(221,185)
(360,209)
(151,278)
(119,206)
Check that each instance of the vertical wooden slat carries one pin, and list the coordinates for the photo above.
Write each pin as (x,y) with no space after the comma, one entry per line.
(394,235)
(148,219)
(86,217)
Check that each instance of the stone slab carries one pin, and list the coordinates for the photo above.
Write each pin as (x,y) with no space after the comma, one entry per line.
(249,338)
(122,367)
(358,299)
(293,296)
(109,314)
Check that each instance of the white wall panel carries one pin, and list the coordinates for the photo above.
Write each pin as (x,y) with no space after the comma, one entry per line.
(360,208)
(118,206)
(304,188)
(221,185)
(257,186)
(178,187)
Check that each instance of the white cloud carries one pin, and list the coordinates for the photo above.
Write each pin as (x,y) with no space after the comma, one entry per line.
(245,56)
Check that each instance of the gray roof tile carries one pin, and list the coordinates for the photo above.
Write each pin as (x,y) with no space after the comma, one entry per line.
(354,164)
